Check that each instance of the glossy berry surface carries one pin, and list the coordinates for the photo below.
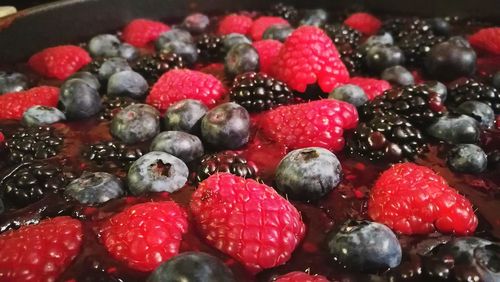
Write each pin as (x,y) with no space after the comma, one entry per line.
(33,143)
(226,161)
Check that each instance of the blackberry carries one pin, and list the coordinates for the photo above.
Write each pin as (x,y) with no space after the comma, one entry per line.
(415,46)
(210,47)
(29,182)
(111,154)
(417,103)
(259,92)
(112,106)
(386,136)
(152,66)
(94,65)
(226,161)
(401,27)
(342,35)
(27,144)
(470,89)
(353,60)
(287,12)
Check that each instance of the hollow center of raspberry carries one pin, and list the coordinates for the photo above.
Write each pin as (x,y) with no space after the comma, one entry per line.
(161,169)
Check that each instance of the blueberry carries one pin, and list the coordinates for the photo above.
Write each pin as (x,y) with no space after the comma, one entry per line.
(128,52)
(135,123)
(95,188)
(104,45)
(79,100)
(437,87)
(41,115)
(319,169)
(467,158)
(2,207)
(192,267)
(440,26)
(91,80)
(187,51)
(174,34)
(157,172)
(365,246)
(455,129)
(241,58)
(379,39)
(233,39)
(226,126)
(278,32)
(450,60)
(496,80)
(12,82)
(379,57)
(185,115)
(112,66)
(180,144)
(398,75)
(494,159)
(349,93)
(478,110)
(127,83)
(315,17)
(196,23)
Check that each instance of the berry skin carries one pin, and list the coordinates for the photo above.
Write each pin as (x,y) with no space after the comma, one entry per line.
(380,57)
(299,276)
(12,82)
(241,58)
(225,161)
(210,47)
(287,12)
(151,67)
(364,22)
(193,267)
(111,154)
(27,144)
(455,129)
(478,110)
(314,17)
(135,123)
(349,93)
(59,62)
(307,57)
(145,235)
(235,23)
(233,211)
(416,46)
(185,115)
(157,172)
(320,172)
(40,252)
(95,188)
(372,87)
(365,246)
(104,45)
(471,90)
(314,124)
(41,115)
(262,23)
(173,35)
(425,202)
(233,39)
(88,77)
(258,92)
(127,83)
(111,66)
(467,158)
(398,75)
(450,59)
(113,105)
(180,144)
(13,105)
(186,50)
(487,39)
(343,36)
(278,32)
(177,85)
(268,51)
(140,32)
(196,23)
(79,100)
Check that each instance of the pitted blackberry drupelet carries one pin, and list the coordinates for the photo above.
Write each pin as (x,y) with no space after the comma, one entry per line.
(32,143)
(152,66)
(287,12)
(226,161)
(342,35)
(112,106)
(472,90)
(112,154)
(210,47)
(415,46)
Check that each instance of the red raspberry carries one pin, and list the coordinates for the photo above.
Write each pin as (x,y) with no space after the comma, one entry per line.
(59,62)
(2,137)
(413,199)
(308,56)
(13,105)
(39,252)
(140,32)
(234,23)
(261,24)
(145,235)
(364,22)
(268,51)
(247,220)
(487,39)
(180,84)
(299,276)
(372,87)
(318,123)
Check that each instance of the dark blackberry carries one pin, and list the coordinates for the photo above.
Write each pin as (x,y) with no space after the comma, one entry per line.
(29,182)
(386,136)
(112,106)
(27,144)
(353,60)
(417,103)
(287,12)
(152,66)
(111,154)
(259,92)
(342,35)
(415,46)
(470,89)
(226,161)
(210,47)
(94,65)
(401,27)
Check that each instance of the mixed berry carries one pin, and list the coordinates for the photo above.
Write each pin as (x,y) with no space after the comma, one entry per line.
(279,145)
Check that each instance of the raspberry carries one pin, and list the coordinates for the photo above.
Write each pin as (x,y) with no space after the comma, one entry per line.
(299,276)
(59,62)
(247,220)
(262,23)
(413,199)
(372,87)
(145,235)
(40,252)
(364,22)
(268,51)
(234,23)
(13,105)
(140,32)
(487,39)
(180,84)
(314,124)
(308,56)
